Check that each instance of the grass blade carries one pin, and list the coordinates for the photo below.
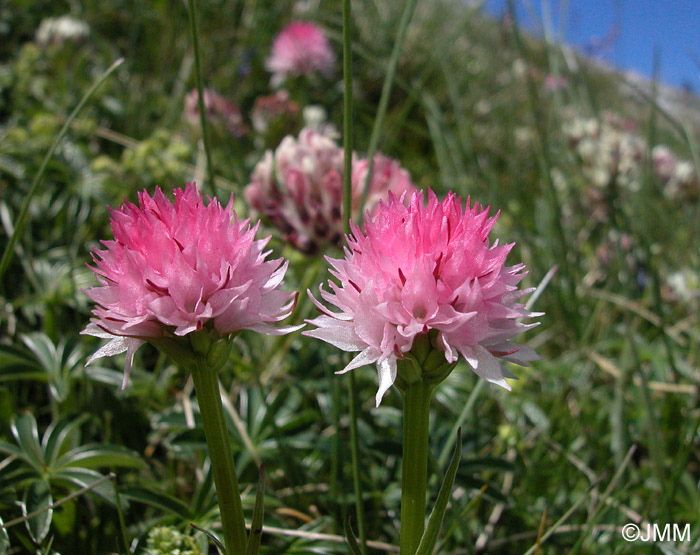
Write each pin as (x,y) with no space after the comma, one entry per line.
(351,539)
(406,16)
(217,542)
(430,537)
(456,431)
(120,514)
(256,525)
(192,13)
(347,215)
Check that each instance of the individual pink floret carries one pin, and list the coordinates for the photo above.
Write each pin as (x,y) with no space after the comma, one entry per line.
(422,268)
(299,188)
(301,48)
(173,269)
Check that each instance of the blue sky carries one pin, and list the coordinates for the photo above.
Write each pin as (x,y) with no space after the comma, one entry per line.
(625,32)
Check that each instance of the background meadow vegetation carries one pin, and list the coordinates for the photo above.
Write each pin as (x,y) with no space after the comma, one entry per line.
(602,432)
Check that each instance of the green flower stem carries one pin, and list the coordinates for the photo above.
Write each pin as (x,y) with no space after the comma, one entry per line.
(406,15)
(414,479)
(206,385)
(192,13)
(347,215)
(347,117)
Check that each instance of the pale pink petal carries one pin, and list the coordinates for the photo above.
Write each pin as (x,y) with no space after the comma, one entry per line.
(485,365)
(368,356)
(386,370)
(333,332)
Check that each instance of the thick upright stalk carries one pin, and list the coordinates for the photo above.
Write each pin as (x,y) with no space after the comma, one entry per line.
(414,480)
(206,385)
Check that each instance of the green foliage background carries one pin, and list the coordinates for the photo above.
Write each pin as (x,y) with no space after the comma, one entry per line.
(603,431)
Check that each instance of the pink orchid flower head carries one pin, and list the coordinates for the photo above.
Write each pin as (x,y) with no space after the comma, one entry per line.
(298,188)
(301,48)
(177,268)
(425,270)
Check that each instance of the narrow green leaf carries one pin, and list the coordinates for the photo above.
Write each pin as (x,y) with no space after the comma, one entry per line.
(157,499)
(17,364)
(120,505)
(351,539)
(27,435)
(204,494)
(12,450)
(105,376)
(16,476)
(219,546)
(38,498)
(430,537)
(96,455)
(12,356)
(84,478)
(43,349)
(55,439)
(256,525)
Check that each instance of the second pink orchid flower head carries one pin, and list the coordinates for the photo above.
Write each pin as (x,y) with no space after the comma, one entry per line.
(174,269)
(425,271)
(299,188)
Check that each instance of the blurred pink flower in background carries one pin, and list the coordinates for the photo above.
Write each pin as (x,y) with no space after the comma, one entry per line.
(299,188)
(555,82)
(301,48)
(422,269)
(664,162)
(221,113)
(274,110)
(173,269)
(387,175)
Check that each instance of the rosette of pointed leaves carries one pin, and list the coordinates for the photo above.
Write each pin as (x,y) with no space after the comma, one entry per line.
(175,269)
(56,463)
(425,271)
